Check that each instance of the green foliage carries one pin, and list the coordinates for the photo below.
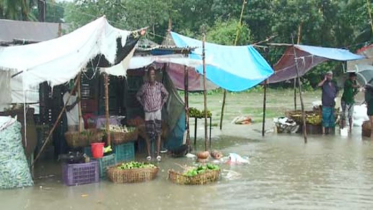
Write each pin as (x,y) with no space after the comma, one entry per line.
(55,11)
(16,9)
(224,32)
(328,23)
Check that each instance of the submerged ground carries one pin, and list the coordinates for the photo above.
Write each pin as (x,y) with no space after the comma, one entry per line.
(330,172)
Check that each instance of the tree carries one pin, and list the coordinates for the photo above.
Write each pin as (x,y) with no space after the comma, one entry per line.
(54,11)
(224,32)
(16,10)
(328,23)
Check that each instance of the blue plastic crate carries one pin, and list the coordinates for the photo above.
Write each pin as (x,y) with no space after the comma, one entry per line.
(81,173)
(105,162)
(124,152)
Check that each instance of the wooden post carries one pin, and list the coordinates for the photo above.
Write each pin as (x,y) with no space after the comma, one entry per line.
(106,78)
(235,43)
(55,125)
(222,109)
(186,102)
(300,94)
(295,94)
(264,107)
(59,30)
(295,79)
(265,99)
(204,88)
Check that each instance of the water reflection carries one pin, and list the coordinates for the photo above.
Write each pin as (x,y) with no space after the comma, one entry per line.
(327,173)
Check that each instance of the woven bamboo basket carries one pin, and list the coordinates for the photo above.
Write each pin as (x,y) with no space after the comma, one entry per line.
(96,136)
(200,179)
(121,137)
(297,115)
(76,140)
(121,176)
(366,129)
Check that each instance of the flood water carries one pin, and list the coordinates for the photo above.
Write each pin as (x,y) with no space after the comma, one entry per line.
(330,172)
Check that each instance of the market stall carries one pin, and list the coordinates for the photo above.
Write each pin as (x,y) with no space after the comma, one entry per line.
(96,44)
(233,68)
(296,62)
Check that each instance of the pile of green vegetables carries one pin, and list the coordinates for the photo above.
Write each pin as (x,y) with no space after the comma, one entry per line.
(131,129)
(201,169)
(14,170)
(193,112)
(133,165)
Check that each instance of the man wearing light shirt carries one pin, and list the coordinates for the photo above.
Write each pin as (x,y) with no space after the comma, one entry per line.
(152,96)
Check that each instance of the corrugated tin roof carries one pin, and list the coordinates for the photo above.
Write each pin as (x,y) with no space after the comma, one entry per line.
(29,31)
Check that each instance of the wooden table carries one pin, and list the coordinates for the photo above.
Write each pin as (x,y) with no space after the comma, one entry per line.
(195,129)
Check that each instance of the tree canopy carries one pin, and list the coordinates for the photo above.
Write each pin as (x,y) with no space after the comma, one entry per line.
(329,23)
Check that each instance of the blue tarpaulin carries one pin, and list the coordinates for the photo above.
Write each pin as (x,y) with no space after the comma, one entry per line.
(234,68)
(330,53)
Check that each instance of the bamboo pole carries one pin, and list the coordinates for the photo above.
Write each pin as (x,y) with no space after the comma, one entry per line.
(295,93)
(186,103)
(222,109)
(204,88)
(300,94)
(80,102)
(55,124)
(106,78)
(264,108)
(295,79)
(265,99)
(370,14)
(235,43)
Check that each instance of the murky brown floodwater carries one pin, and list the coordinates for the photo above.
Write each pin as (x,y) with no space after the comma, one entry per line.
(327,173)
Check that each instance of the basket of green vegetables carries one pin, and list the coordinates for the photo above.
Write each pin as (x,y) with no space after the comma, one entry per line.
(131,172)
(200,175)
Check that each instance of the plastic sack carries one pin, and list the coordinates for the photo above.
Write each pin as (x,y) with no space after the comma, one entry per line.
(234,158)
(285,125)
(360,115)
(14,170)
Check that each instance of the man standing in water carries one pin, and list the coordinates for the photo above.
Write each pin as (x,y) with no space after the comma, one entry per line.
(152,96)
(349,91)
(329,92)
(72,110)
(369,102)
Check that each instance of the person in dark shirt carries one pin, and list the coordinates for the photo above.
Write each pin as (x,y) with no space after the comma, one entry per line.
(329,92)
(369,102)
(351,88)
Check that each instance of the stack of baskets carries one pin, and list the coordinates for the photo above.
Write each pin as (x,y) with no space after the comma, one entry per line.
(131,175)
(200,179)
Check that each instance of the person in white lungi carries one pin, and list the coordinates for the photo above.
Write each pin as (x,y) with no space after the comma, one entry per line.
(152,96)
(72,110)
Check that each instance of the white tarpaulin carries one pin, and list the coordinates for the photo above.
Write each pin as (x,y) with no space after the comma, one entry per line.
(5,98)
(138,62)
(59,60)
